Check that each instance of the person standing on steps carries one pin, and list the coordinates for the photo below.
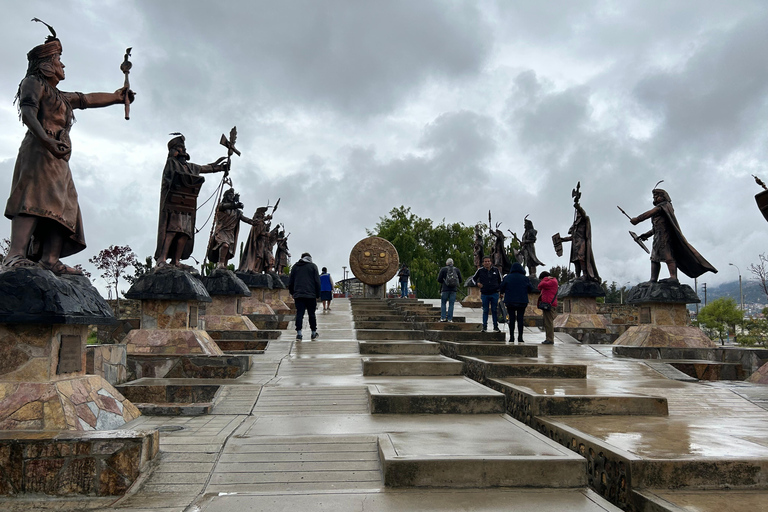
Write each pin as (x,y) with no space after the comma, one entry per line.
(326,289)
(488,279)
(449,277)
(404,275)
(514,290)
(304,287)
(548,305)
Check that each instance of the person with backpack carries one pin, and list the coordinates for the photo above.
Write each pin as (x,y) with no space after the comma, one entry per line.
(449,277)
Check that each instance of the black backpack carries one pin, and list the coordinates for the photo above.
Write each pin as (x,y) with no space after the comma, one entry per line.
(451,279)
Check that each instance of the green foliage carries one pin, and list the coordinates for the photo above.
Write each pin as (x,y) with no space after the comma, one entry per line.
(562,274)
(719,315)
(425,247)
(139,269)
(209,266)
(755,331)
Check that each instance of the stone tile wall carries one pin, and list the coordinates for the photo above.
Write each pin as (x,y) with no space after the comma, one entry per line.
(68,463)
(109,361)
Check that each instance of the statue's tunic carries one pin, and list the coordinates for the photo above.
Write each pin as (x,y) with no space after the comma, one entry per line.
(282,256)
(176,217)
(42,184)
(227,231)
(253,259)
(581,246)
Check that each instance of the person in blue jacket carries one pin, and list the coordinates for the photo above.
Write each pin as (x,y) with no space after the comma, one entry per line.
(326,289)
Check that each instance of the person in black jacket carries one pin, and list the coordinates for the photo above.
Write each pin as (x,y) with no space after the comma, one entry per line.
(514,289)
(449,277)
(488,279)
(304,287)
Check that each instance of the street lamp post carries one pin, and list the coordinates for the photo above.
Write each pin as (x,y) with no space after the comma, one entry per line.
(741,295)
(344,275)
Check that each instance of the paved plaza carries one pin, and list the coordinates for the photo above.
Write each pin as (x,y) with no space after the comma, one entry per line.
(297,432)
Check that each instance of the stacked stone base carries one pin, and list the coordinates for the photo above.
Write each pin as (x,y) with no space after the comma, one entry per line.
(74,463)
(80,403)
(678,336)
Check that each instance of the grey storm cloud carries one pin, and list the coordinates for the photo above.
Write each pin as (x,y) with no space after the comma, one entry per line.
(346,110)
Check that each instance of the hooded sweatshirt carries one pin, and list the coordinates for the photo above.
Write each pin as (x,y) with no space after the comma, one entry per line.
(515,286)
(304,282)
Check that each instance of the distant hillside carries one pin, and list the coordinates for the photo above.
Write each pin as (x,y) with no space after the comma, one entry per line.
(753,292)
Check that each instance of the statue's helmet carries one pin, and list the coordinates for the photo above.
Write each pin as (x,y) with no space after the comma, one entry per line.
(662,194)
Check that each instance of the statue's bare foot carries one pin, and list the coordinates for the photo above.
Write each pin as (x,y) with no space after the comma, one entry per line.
(60,269)
(18,262)
(669,280)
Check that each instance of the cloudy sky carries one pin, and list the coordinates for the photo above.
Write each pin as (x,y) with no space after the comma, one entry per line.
(346,109)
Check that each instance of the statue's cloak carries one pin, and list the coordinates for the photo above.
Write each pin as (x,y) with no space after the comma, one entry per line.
(688,259)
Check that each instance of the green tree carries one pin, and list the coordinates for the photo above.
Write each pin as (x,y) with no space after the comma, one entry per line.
(562,274)
(424,247)
(720,315)
(756,331)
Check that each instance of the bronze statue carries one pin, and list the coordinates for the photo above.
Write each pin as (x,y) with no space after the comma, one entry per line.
(477,248)
(254,258)
(269,247)
(282,256)
(581,241)
(46,222)
(669,244)
(221,246)
(178,203)
(499,256)
(528,249)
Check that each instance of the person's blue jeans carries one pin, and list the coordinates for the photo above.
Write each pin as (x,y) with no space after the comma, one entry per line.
(403,289)
(450,298)
(491,300)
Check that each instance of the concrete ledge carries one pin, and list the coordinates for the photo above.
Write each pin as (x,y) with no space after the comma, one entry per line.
(465,336)
(468,397)
(179,367)
(481,368)
(482,471)
(455,349)
(176,409)
(404,365)
(249,346)
(65,463)
(384,334)
(414,347)
(163,391)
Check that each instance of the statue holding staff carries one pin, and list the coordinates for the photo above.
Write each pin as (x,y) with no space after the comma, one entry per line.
(46,222)
(282,256)
(229,214)
(581,241)
(528,248)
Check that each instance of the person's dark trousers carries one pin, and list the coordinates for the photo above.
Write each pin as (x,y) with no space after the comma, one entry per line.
(490,300)
(549,324)
(516,315)
(403,289)
(450,298)
(308,305)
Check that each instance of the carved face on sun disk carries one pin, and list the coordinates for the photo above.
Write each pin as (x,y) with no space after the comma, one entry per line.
(374,261)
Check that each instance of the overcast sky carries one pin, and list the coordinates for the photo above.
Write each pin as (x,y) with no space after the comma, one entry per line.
(347,109)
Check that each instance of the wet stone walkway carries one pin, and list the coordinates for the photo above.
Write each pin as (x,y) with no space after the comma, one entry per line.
(297,432)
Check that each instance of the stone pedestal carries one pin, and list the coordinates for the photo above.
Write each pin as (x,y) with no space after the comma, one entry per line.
(533,316)
(663,318)
(472,300)
(170,325)
(225,312)
(43,328)
(285,296)
(580,318)
(377,291)
(257,284)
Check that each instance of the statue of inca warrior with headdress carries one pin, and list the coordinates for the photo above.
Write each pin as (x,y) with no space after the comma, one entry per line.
(46,223)
(528,249)
(255,258)
(221,246)
(282,256)
(669,244)
(581,241)
(178,203)
(477,247)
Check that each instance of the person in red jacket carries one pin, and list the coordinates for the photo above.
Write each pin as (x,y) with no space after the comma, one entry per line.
(548,289)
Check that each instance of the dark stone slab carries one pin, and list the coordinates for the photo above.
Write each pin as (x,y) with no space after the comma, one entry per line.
(277,280)
(580,288)
(225,282)
(256,280)
(285,279)
(662,292)
(168,283)
(34,295)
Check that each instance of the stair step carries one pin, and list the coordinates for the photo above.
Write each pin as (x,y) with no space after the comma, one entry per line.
(437,395)
(485,367)
(455,349)
(410,365)
(175,409)
(385,334)
(415,347)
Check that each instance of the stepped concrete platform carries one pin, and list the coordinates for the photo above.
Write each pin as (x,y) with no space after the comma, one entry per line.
(464,336)
(528,398)
(384,334)
(436,395)
(414,347)
(665,500)
(411,365)
(398,325)
(481,368)
(451,326)
(164,391)
(455,349)
(502,454)
(175,409)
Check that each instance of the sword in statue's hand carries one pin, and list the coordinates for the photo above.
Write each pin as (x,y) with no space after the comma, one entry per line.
(125,67)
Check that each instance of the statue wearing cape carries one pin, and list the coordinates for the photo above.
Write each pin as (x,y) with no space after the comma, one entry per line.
(669,244)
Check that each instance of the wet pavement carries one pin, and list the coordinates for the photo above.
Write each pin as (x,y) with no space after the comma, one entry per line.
(296,433)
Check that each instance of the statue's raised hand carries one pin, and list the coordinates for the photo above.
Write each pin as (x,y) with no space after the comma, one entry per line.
(121,92)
